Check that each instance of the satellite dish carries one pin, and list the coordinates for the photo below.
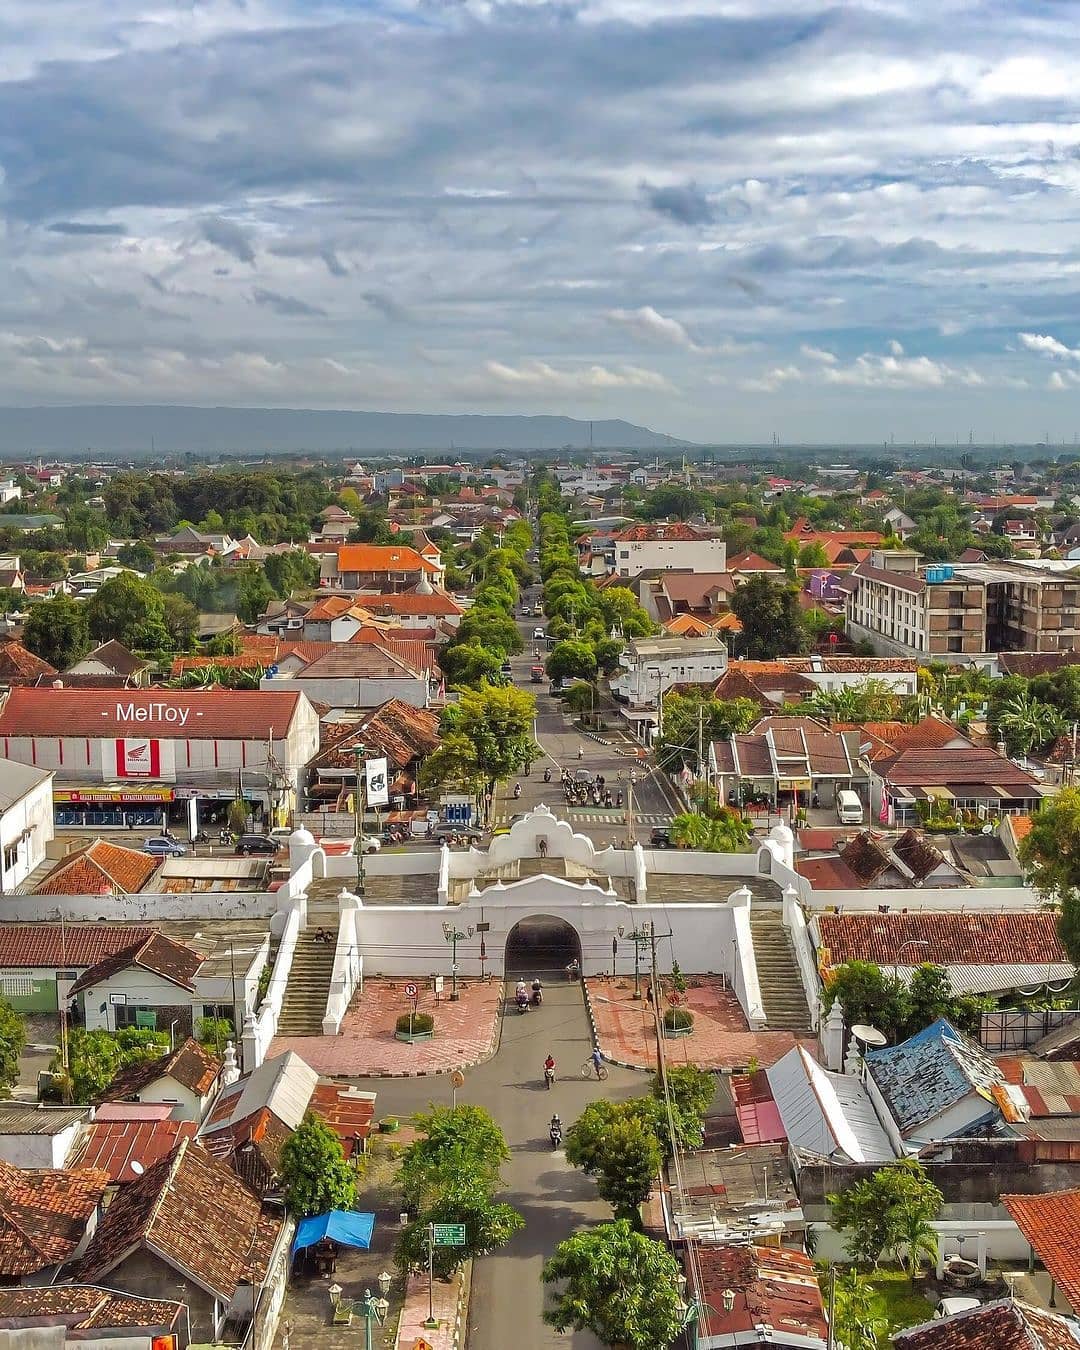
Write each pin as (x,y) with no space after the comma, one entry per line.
(869,1035)
(137,1168)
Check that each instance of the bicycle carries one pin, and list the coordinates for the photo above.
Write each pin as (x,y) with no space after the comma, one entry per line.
(588,1069)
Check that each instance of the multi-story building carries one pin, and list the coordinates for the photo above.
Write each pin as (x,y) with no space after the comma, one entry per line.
(956,612)
(641,548)
(652,666)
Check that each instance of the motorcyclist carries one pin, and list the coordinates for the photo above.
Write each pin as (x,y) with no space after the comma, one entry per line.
(555,1130)
(597,1060)
(517,790)
(537,991)
(547,775)
(549,1069)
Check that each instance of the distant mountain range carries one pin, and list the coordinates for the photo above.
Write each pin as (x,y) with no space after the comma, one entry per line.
(169,430)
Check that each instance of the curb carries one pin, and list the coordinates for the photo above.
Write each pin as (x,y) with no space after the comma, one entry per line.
(608,1059)
(482,1058)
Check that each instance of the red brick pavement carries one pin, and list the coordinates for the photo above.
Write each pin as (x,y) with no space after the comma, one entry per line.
(465,1032)
(721,1038)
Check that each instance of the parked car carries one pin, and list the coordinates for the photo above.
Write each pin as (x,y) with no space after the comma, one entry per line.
(957,1303)
(369,843)
(161,846)
(257,843)
(447,828)
(660,837)
(283,833)
(506,668)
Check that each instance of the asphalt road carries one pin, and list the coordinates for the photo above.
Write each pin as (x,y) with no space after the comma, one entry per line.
(654,802)
(554,1199)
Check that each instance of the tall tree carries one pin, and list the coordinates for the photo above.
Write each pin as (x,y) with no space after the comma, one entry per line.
(771,621)
(129,609)
(12,1044)
(56,630)
(878,1211)
(499,723)
(618,1284)
(314,1173)
(1051,856)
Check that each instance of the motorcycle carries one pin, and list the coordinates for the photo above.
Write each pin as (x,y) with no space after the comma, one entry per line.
(537,997)
(523,1003)
(201,838)
(224,837)
(517,791)
(547,775)
(555,1135)
(549,1077)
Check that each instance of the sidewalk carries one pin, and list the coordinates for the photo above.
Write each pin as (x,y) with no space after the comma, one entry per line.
(466,1032)
(720,1039)
(449,1303)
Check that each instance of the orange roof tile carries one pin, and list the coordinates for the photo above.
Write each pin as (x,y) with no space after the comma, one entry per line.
(1050,1223)
(100,868)
(382,558)
(43,1215)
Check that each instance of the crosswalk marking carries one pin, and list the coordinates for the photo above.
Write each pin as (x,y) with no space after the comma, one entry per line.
(592,816)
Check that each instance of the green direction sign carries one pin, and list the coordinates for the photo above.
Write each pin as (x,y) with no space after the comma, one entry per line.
(448,1234)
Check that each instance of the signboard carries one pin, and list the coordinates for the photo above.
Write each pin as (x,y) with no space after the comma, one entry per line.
(129,796)
(421,1344)
(378,787)
(448,1234)
(410,991)
(137,757)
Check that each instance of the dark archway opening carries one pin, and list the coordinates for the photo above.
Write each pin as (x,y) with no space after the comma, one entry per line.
(541,944)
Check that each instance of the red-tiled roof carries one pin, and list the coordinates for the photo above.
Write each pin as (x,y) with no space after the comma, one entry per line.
(83,1308)
(74,945)
(412,602)
(675,530)
(1050,1223)
(194,1213)
(953,939)
(218,714)
(190,1064)
(157,954)
(939,767)
(1004,1325)
(752,562)
(43,1215)
(99,868)
(382,558)
(773,1286)
(115,1145)
(18,664)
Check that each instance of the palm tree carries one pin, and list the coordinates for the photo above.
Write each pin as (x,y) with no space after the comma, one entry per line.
(916,1242)
(1026,724)
(857,1323)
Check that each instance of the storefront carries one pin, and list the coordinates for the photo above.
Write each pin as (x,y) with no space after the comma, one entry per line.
(112,807)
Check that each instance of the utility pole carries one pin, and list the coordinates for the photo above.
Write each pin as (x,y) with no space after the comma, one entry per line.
(360,752)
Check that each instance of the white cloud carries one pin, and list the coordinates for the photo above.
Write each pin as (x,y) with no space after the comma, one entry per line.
(1045,345)
(538,377)
(648,323)
(895,348)
(871,371)
(771,380)
(819,354)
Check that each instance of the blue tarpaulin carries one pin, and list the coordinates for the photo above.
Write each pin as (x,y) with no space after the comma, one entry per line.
(351,1230)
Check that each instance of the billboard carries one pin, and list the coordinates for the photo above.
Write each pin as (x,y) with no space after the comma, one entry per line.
(137,757)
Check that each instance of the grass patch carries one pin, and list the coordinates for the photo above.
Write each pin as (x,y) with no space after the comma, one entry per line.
(897,1302)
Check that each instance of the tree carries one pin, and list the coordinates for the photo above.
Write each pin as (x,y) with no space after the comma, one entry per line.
(181,620)
(917,1242)
(12,1044)
(291,571)
(499,723)
(628,1167)
(728,834)
(858,1324)
(572,660)
(453,764)
(462,1199)
(1027,725)
(1051,857)
(867,995)
(489,627)
(56,630)
(253,593)
(694,717)
(129,609)
(618,1284)
(96,1057)
(469,664)
(770,617)
(876,1212)
(314,1174)
(692,1090)
(138,555)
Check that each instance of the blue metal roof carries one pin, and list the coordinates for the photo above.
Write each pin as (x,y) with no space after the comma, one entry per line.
(929,1072)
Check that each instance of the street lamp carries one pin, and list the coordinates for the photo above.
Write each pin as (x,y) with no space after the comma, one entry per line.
(638,936)
(911,942)
(454,937)
(375,1309)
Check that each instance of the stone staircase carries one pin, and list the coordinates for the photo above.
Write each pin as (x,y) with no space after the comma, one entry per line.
(306,993)
(778,975)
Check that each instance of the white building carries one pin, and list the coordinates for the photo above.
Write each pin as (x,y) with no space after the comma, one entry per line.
(10,491)
(642,548)
(26,820)
(652,666)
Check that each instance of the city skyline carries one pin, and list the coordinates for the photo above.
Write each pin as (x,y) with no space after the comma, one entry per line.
(719,219)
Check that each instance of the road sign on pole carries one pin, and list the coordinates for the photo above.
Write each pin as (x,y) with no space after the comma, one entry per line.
(411,991)
(448,1234)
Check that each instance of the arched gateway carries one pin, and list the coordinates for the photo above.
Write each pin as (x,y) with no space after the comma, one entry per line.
(541,945)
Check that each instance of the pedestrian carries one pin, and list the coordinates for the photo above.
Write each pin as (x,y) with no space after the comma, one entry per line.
(648,992)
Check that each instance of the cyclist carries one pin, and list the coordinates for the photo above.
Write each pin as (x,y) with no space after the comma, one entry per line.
(597,1060)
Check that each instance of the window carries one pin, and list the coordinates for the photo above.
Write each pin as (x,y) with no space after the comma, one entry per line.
(956,621)
(11,855)
(130,1015)
(956,644)
(17,986)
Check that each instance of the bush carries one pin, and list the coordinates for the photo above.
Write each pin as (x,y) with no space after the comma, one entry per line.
(415,1022)
(678,1019)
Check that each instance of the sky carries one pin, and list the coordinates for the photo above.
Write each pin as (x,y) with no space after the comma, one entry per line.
(723,219)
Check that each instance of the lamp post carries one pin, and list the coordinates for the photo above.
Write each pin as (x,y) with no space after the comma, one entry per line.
(911,942)
(360,751)
(375,1309)
(454,937)
(638,936)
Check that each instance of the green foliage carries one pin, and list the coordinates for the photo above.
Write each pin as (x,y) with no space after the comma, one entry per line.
(295,570)
(56,630)
(469,664)
(181,620)
(869,701)
(695,715)
(253,593)
(453,764)
(415,1023)
(878,1212)
(498,722)
(770,617)
(729,833)
(214,1032)
(859,1324)
(130,610)
(678,1019)
(315,1176)
(96,1057)
(138,555)
(615,1143)
(618,1284)
(572,660)
(692,1090)
(12,1044)
(870,995)
(1050,855)
(1026,725)
(449,1175)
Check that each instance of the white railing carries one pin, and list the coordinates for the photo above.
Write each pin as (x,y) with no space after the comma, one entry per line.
(803,947)
(347,973)
(269,1014)
(745,974)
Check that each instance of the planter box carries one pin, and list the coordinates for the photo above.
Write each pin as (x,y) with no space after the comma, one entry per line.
(414,1036)
(674,1034)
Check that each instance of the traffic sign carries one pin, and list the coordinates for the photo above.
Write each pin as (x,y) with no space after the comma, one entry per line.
(421,1344)
(448,1234)
(410,991)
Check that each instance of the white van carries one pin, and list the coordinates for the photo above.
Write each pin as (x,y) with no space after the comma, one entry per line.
(848,807)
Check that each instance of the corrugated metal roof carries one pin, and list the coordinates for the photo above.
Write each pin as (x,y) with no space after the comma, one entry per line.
(829,1114)
(283,1084)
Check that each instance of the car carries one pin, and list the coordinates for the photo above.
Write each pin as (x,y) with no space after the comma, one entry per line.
(957,1303)
(506,668)
(257,843)
(369,843)
(446,828)
(282,832)
(161,846)
(538,634)
(660,837)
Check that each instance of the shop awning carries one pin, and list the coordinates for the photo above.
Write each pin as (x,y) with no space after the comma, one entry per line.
(344,1226)
(112,794)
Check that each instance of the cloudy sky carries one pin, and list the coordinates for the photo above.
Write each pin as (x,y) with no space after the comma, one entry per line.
(721,218)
